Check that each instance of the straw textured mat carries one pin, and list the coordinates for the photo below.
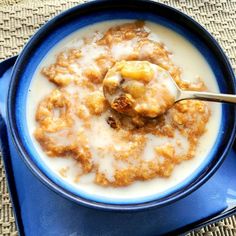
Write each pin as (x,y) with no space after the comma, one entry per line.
(19,19)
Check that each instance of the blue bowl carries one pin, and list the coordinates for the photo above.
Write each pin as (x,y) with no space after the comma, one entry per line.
(103,10)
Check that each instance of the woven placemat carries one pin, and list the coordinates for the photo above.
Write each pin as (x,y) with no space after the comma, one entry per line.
(19,19)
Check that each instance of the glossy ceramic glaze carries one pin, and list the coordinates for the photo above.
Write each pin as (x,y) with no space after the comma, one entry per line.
(90,13)
(54,220)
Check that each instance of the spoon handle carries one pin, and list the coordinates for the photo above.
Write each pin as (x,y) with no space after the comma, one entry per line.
(214,97)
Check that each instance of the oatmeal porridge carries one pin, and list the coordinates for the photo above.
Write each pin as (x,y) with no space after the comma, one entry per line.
(98,147)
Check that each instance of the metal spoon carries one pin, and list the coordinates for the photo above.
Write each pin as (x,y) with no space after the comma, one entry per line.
(117,93)
(206,96)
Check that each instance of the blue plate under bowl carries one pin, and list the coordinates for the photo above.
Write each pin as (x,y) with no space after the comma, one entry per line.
(83,15)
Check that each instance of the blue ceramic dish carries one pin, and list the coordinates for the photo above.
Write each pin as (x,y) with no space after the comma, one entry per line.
(103,10)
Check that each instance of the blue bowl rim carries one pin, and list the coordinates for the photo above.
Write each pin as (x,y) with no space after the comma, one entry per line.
(104,206)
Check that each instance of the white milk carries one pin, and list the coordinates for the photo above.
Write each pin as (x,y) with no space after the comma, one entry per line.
(184,55)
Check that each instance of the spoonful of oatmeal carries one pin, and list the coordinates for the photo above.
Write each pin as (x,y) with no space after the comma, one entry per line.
(142,88)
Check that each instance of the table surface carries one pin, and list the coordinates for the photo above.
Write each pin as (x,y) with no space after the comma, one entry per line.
(19,19)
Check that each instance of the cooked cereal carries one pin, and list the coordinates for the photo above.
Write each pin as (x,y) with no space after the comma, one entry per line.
(75,120)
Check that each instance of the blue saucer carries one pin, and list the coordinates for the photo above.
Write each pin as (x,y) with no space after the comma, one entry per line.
(39,211)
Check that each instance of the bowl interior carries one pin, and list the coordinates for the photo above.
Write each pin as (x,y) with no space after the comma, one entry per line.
(82,16)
